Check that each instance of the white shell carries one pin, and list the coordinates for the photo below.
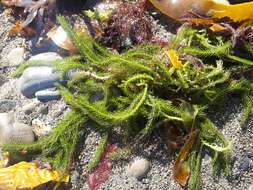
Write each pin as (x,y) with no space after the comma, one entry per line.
(60,37)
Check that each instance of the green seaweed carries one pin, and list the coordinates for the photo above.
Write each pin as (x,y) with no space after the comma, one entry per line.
(141,90)
(99,152)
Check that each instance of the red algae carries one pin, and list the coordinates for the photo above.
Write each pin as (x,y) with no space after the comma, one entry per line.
(102,173)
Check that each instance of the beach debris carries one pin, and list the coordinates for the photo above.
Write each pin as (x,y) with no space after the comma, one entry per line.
(28,175)
(214,8)
(61,39)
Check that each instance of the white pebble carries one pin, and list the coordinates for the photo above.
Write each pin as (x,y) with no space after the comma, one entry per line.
(139,168)
(48,56)
(16,56)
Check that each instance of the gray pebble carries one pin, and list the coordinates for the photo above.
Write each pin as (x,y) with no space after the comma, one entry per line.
(245,164)
(7,105)
(37,78)
(48,95)
(29,108)
(139,168)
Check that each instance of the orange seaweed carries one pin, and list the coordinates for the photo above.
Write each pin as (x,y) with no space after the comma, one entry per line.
(181,168)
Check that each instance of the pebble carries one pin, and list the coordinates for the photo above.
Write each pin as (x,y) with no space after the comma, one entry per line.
(245,164)
(16,56)
(40,128)
(7,105)
(139,168)
(37,78)
(29,108)
(48,95)
(48,56)
(14,132)
(43,110)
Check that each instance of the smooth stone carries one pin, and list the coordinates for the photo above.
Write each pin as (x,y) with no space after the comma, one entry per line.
(16,56)
(245,164)
(29,108)
(48,95)
(38,73)
(12,132)
(37,78)
(29,89)
(43,110)
(48,56)
(7,105)
(139,168)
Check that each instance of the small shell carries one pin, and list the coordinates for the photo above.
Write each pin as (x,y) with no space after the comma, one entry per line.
(60,37)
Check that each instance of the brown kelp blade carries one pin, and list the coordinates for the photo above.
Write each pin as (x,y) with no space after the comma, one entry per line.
(181,168)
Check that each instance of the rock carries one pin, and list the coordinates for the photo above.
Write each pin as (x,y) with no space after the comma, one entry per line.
(37,78)
(48,56)
(245,164)
(15,56)
(14,132)
(48,95)
(40,128)
(251,187)
(43,110)
(7,105)
(2,80)
(29,108)
(139,168)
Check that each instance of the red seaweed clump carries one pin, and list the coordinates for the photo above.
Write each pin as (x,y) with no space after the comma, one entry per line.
(101,174)
(129,25)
